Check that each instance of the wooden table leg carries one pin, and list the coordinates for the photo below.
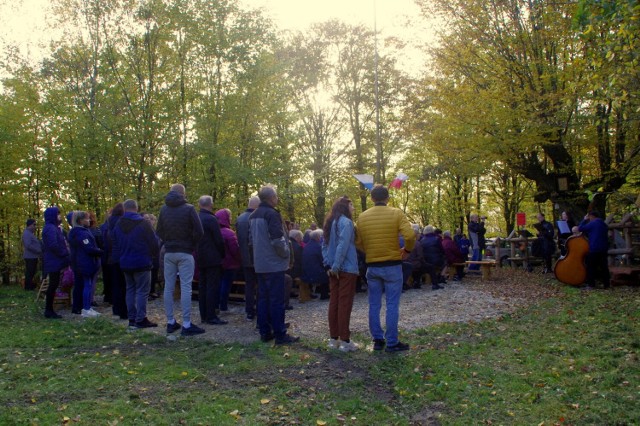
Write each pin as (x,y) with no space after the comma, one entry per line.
(486,272)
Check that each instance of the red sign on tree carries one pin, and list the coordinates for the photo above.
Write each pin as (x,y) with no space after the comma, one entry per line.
(521,219)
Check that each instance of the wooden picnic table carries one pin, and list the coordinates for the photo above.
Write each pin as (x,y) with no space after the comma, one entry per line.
(485,267)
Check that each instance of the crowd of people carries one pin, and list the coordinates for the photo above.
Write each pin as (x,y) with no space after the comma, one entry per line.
(382,250)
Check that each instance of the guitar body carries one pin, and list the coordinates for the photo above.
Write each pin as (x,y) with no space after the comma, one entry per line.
(570,268)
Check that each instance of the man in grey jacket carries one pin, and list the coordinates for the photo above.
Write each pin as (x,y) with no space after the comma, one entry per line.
(271,253)
(32,252)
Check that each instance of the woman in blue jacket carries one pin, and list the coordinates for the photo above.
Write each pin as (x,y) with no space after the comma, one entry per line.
(85,259)
(339,253)
(55,256)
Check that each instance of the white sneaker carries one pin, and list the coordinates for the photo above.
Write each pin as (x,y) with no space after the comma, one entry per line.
(89,313)
(95,313)
(333,344)
(348,347)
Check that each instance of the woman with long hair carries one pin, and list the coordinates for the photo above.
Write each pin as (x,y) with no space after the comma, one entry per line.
(339,252)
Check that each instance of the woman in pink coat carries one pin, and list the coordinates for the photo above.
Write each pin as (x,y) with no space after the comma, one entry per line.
(232,261)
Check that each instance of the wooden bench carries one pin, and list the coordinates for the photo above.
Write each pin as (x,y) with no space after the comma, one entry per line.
(485,267)
(624,275)
(452,268)
(237,291)
(527,261)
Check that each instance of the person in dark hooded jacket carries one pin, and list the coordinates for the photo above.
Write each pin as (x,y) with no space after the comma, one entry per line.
(135,242)
(56,256)
(180,228)
(85,262)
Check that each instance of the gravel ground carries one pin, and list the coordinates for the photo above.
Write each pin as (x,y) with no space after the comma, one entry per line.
(458,302)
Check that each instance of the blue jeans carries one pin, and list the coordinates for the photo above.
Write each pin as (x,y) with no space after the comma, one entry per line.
(87,292)
(477,255)
(183,264)
(388,278)
(271,304)
(138,285)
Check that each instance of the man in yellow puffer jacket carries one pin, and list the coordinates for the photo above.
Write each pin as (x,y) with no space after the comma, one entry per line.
(378,236)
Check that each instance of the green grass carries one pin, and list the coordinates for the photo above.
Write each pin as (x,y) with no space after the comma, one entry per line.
(567,360)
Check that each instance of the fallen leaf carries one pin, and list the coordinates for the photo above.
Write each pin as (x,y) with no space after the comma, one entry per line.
(264,401)
(321,422)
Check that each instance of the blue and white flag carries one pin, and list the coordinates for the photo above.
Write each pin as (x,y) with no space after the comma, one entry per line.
(365,180)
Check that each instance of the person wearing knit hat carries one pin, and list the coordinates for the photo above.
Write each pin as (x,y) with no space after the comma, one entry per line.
(31,253)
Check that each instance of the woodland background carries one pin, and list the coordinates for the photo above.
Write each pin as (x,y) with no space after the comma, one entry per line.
(518,95)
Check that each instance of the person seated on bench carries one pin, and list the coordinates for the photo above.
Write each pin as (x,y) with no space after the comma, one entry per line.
(453,255)
(433,255)
(419,266)
(313,270)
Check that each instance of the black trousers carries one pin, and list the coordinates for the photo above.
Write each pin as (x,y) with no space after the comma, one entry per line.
(118,292)
(30,269)
(209,292)
(597,268)
(54,282)
(250,288)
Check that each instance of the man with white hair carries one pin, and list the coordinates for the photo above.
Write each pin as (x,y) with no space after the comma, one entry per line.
(209,255)
(271,254)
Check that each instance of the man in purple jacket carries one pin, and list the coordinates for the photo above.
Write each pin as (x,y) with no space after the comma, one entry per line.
(136,246)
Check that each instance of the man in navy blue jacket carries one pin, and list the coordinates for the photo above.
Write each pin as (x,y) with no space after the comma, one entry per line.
(596,262)
(136,246)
